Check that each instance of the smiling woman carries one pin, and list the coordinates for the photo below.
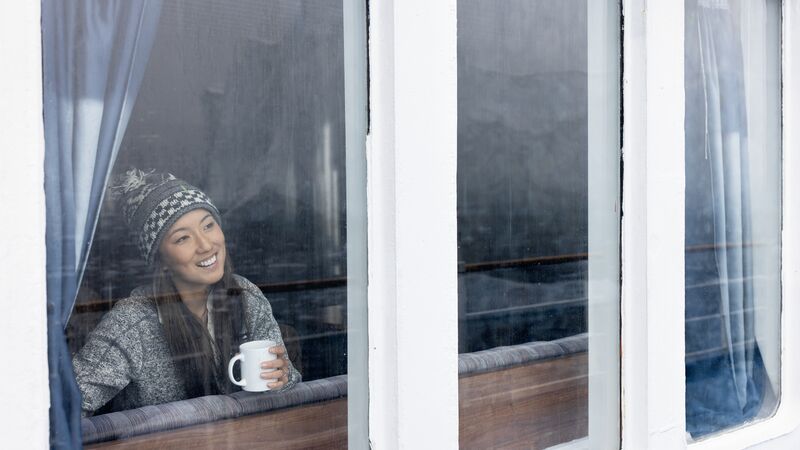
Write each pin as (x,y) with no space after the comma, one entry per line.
(172,340)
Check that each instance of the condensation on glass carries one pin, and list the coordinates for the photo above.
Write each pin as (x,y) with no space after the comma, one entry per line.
(733,212)
(538,223)
(261,106)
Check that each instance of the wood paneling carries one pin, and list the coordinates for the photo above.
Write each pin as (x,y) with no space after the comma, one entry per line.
(317,426)
(531,406)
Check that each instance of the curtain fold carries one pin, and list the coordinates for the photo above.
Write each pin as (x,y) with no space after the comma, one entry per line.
(726,140)
(95,54)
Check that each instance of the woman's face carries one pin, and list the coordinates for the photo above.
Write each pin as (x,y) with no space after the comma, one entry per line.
(193,250)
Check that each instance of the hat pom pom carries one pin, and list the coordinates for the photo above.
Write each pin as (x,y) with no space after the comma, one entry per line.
(129,181)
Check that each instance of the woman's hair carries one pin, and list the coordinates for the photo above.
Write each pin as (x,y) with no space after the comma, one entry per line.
(190,343)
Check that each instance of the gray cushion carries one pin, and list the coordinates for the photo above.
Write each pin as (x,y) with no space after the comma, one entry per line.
(514,355)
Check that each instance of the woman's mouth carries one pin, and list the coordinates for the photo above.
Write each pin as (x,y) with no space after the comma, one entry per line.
(208,262)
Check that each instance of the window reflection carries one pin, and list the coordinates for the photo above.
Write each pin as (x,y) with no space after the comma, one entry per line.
(244,101)
(524,221)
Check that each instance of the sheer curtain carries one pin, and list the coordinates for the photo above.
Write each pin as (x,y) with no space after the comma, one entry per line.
(733,204)
(95,54)
(727,152)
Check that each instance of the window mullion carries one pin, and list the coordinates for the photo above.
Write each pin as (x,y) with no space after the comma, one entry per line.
(653,224)
(413,322)
(25,391)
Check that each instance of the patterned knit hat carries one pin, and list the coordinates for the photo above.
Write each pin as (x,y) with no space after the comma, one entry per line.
(153,202)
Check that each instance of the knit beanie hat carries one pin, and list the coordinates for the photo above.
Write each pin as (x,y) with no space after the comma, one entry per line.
(153,202)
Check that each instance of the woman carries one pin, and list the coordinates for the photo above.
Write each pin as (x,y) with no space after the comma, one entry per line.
(172,340)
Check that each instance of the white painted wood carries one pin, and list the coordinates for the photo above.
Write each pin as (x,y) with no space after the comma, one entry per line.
(653,223)
(413,321)
(382,308)
(603,53)
(23,325)
(634,229)
(665,225)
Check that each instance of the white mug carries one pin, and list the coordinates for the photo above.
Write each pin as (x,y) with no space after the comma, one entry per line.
(252,354)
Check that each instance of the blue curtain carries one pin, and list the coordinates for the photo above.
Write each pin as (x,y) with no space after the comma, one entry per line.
(95,54)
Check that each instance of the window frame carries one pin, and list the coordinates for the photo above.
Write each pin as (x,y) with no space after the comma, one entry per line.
(786,419)
(411,184)
(406,96)
(26,419)
(653,238)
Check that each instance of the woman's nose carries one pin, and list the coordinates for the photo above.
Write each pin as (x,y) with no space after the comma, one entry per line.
(203,244)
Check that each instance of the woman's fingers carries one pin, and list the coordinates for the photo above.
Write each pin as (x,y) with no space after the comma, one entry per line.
(276,385)
(276,370)
(278,350)
(278,377)
(272,374)
(274,364)
(277,374)
(282,381)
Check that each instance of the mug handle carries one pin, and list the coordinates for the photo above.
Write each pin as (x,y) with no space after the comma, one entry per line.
(238,357)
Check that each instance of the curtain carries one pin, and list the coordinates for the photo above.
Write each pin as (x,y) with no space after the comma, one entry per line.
(733,201)
(726,149)
(95,53)
(760,23)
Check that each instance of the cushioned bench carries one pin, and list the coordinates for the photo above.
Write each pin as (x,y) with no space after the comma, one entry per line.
(513,355)
(195,411)
(215,408)
(532,395)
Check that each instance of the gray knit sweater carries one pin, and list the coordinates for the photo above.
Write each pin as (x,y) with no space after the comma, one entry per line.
(128,352)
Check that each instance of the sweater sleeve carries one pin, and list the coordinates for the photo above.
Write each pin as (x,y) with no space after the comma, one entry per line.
(262,323)
(109,360)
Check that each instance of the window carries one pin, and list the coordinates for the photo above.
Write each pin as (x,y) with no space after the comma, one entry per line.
(203,167)
(733,213)
(538,223)
(668,206)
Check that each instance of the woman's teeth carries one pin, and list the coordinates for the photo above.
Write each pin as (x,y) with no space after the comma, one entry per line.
(208,262)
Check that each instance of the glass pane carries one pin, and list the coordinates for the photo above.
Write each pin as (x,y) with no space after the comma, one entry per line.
(733,212)
(226,173)
(538,219)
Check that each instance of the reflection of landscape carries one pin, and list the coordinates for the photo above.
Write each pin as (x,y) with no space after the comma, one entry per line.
(504,307)
(522,170)
(522,221)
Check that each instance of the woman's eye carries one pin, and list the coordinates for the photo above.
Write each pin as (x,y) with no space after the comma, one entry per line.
(209,225)
(181,239)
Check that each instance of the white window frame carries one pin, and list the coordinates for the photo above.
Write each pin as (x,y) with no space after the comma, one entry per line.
(413,383)
(25,390)
(411,177)
(653,237)
(782,429)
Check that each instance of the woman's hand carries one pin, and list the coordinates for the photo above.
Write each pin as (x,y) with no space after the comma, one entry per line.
(278,377)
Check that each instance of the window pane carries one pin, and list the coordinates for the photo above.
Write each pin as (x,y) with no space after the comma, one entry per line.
(232,137)
(538,218)
(733,212)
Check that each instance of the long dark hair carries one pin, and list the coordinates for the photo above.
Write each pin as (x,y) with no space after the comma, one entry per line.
(191,345)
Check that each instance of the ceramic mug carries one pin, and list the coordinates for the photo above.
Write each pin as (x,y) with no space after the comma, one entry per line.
(252,354)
